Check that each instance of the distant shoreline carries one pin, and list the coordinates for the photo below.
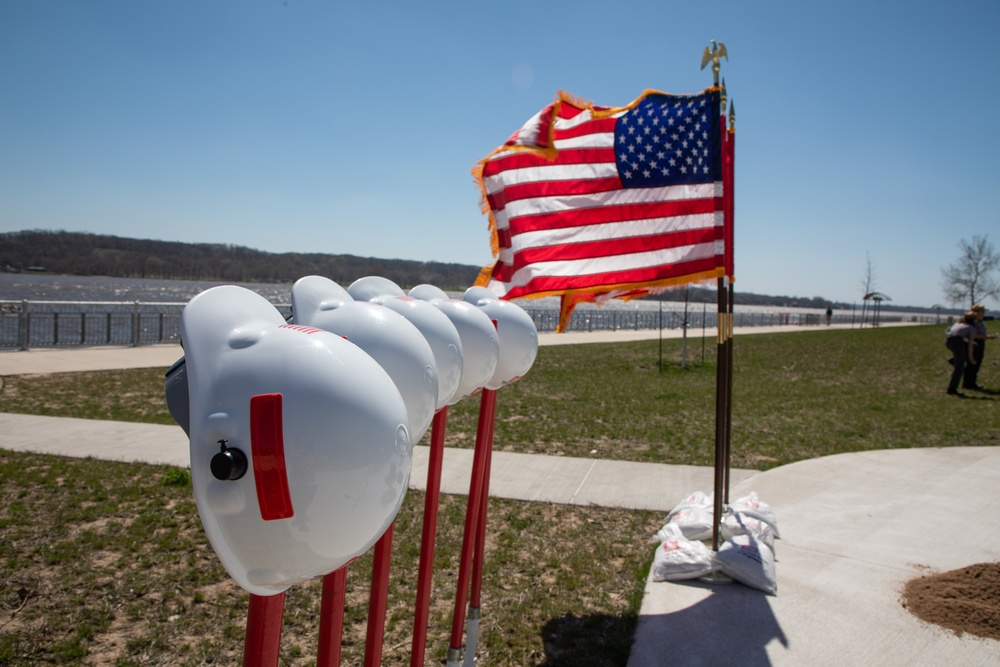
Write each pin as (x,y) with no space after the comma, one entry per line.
(60,287)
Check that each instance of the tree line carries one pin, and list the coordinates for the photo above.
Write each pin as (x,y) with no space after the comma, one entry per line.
(83,254)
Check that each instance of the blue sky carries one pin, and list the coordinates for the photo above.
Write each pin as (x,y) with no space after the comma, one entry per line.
(864,129)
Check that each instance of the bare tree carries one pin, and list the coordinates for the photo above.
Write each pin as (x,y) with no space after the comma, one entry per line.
(869,277)
(971,279)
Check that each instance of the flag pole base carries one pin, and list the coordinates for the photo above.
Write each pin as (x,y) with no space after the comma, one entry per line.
(717,579)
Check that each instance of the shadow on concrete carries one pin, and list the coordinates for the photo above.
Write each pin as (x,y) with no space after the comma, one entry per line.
(732,624)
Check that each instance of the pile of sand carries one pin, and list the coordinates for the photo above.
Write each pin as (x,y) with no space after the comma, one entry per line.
(964,601)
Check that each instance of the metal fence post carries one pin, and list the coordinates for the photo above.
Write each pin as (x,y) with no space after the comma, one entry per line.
(23,326)
(135,324)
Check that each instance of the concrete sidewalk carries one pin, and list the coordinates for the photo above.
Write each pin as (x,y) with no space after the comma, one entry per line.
(855,528)
(76,359)
(532,477)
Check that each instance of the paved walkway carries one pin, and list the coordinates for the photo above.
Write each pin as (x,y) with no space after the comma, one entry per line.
(75,359)
(855,528)
(533,477)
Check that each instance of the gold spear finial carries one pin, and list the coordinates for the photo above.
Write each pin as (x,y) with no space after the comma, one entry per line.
(732,117)
(712,55)
(722,95)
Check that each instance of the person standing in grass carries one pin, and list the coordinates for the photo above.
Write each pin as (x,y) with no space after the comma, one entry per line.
(961,340)
(970,379)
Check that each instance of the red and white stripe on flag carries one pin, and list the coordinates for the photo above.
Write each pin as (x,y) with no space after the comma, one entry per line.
(589,201)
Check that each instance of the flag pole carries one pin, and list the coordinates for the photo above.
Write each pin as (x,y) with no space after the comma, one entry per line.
(721,374)
(730,209)
(713,55)
(729,397)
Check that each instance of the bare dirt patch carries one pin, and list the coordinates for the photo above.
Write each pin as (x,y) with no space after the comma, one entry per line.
(966,600)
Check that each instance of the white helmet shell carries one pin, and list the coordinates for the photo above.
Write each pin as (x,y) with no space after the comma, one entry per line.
(479,295)
(441,335)
(427,292)
(370,287)
(480,345)
(435,326)
(392,341)
(322,429)
(518,341)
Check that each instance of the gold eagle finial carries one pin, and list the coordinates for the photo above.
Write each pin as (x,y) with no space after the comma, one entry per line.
(712,55)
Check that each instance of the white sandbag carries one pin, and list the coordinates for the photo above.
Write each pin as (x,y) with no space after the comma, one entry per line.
(694,515)
(694,499)
(748,560)
(752,506)
(694,522)
(678,558)
(737,523)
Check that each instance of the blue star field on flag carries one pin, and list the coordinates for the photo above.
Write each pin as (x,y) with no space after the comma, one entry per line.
(669,140)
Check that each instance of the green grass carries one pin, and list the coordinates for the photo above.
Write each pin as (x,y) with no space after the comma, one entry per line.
(795,396)
(106,563)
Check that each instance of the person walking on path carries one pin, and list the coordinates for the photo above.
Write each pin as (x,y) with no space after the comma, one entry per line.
(961,340)
(970,379)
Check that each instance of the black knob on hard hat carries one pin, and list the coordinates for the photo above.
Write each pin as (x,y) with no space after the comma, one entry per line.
(229,464)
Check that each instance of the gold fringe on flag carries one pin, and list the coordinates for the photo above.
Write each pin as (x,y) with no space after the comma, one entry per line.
(484,276)
(624,292)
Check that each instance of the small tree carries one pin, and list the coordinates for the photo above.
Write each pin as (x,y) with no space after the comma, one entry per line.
(869,277)
(971,278)
(868,280)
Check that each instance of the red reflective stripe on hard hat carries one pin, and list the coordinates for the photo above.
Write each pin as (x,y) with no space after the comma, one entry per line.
(267,447)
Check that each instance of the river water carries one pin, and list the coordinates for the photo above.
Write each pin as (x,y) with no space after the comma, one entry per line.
(83,310)
(47,287)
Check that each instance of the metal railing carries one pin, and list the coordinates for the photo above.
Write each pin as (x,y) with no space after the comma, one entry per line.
(611,319)
(31,324)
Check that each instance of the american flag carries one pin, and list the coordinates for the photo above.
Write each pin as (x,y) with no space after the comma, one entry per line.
(588,202)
